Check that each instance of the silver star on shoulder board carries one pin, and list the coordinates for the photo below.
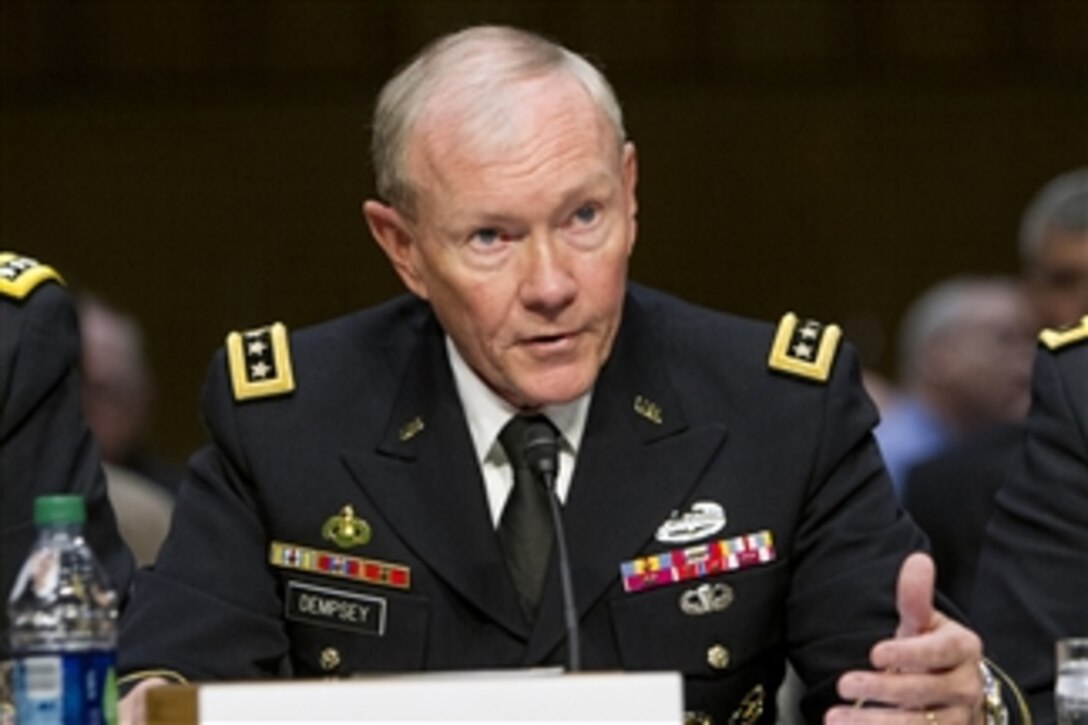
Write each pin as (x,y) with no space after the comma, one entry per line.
(8,272)
(810,331)
(802,350)
(256,347)
(259,371)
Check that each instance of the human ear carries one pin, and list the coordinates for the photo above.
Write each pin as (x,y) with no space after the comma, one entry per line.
(630,182)
(394,235)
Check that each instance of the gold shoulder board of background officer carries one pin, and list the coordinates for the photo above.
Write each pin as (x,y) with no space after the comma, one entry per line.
(1056,339)
(805,348)
(260,362)
(19,275)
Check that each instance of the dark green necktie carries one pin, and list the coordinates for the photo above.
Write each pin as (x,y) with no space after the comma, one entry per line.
(525,528)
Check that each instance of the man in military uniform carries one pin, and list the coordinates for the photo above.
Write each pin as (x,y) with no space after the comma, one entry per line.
(45,446)
(725,504)
(1033,572)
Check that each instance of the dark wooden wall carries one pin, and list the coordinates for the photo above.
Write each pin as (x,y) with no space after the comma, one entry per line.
(201,163)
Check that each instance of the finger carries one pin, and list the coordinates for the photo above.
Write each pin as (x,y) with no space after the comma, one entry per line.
(913,691)
(849,715)
(914,595)
(945,646)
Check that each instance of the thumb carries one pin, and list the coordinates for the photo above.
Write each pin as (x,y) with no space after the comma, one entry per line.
(914,595)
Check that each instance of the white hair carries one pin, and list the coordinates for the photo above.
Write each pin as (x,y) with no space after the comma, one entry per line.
(480,64)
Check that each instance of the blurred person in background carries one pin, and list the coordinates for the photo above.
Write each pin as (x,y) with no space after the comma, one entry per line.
(1054,250)
(118,393)
(965,363)
(965,352)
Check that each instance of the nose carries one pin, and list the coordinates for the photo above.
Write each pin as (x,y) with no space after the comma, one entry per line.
(548,283)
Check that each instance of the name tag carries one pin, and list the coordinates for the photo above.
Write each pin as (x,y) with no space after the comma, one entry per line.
(359,613)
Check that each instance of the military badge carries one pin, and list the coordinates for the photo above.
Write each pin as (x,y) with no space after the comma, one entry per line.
(19,275)
(328,563)
(750,708)
(345,529)
(706,599)
(410,430)
(1057,339)
(260,362)
(648,409)
(806,349)
(697,562)
(702,519)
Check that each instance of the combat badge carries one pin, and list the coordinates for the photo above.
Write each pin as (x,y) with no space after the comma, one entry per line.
(1057,339)
(260,362)
(703,519)
(345,529)
(20,275)
(806,349)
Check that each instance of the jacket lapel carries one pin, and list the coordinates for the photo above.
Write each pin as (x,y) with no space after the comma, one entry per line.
(426,482)
(639,460)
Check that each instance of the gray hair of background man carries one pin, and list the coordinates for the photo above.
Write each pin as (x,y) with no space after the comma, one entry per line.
(941,310)
(1061,205)
(480,63)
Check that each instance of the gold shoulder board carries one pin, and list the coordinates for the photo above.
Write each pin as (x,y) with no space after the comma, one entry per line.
(260,362)
(1055,339)
(20,275)
(804,348)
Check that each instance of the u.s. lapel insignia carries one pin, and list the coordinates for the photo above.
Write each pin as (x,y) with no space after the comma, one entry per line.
(260,362)
(648,409)
(806,349)
(750,708)
(706,599)
(345,529)
(1056,339)
(20,275)
(410,430)
(702,519)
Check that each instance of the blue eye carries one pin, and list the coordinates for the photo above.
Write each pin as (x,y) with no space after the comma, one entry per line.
(486,236)
(586,214)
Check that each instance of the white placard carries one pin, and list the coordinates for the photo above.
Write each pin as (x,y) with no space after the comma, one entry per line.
(520,696)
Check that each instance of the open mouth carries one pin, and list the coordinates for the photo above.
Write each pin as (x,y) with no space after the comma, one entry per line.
(550,343)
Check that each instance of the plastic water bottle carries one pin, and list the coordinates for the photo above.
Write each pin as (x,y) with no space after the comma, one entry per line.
(63,618)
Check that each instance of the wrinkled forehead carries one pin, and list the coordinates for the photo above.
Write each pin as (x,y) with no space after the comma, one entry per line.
(488,123)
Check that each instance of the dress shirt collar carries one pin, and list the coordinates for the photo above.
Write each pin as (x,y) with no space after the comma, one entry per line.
(487,413)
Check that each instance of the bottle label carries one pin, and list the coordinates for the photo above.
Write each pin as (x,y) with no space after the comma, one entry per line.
(74,688)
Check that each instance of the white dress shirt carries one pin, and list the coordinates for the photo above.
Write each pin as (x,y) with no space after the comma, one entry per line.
(487,413)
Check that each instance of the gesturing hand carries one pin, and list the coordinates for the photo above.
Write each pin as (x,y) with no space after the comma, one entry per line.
(928,673)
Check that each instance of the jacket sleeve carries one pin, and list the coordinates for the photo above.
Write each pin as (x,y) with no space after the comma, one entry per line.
(851,541)
(210,582)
